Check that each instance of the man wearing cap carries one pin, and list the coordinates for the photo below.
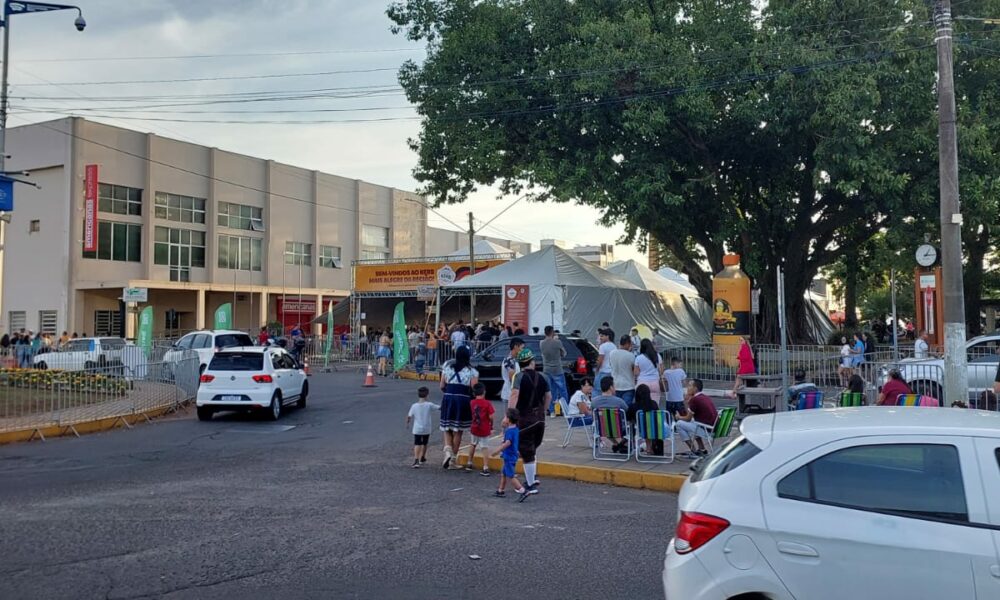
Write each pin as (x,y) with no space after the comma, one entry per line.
(531,397)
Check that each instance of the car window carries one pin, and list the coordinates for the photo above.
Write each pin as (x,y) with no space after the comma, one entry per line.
(289,362)
(185,342)
(276,361)
(232,340)
(730,456)
(78,346)
(983,352)
(237,361)
(202,340)
(112,343)
(915,480)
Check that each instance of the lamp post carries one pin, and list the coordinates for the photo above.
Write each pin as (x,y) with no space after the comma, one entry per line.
(11,8)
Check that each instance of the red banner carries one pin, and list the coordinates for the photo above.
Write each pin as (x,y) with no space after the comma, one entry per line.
(516,305)
(90,209)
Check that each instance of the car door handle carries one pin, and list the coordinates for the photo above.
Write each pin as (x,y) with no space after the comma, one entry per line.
(797,549)
(995,571)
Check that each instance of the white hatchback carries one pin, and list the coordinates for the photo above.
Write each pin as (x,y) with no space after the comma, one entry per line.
(894,503)
(251,378)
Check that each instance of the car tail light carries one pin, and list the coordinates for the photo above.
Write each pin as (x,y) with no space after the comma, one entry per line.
(263,379)
(207,378)
(581,365)
(694,530)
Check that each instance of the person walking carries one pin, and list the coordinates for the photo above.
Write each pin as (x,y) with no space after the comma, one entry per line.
(384,354)
(531,397)
(623,370)
(846,368)
(457,379)
(5,344)
(858,353)
(553,354)
(482,428)
(420,417)
(648,369)
(511,442)
(432,347)
(745,364)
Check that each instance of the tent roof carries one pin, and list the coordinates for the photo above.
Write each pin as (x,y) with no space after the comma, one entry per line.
(679,279)
(484,247)
(550,265)
(647,279)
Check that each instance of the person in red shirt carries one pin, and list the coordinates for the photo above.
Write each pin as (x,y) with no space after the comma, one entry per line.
(482,427)
(700,411)
(263,337)
(892,389)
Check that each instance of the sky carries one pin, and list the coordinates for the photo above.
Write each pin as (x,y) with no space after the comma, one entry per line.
(132,40)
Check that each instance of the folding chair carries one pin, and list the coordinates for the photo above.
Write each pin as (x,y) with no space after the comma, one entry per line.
(654,425)
(611,423)
(917,400)
(721,429)
(848,399)
(807,400)
(575,422)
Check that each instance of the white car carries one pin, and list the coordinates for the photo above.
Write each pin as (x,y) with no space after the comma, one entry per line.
(890,503)
(206,343)
(251,378)
(926,376)
(83,354)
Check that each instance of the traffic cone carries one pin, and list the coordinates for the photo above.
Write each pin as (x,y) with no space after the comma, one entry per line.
(305,366)
(370,378)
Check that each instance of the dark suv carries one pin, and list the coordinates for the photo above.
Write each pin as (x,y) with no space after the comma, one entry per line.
(579,362)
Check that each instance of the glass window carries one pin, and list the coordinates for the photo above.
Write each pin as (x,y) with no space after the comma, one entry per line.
(237,361)
(186,342)
(106,322)
(374,255)
(329,257)
(119,199)
(183,209)
(242,253)
(117,241)
(732,455)
(911,480)
(180,249)
(202,340)
(298,253)
(230,340)
(372,235)
(240,216)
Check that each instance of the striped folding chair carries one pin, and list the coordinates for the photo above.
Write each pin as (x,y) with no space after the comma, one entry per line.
(807,400)
(652,426)
(611,423)
(721,429)
(917,400)
(849,399)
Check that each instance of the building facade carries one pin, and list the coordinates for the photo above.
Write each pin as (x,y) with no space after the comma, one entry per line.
(196,226)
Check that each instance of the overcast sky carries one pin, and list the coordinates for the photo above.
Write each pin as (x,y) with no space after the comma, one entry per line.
(48,56)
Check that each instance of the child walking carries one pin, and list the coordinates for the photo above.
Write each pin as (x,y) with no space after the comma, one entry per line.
(420,416)
(482,428)
(511,439)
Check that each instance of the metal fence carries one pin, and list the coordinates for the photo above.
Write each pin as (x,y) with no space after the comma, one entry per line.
(35,399)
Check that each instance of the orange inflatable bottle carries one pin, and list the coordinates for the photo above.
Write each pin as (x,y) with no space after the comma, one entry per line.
(730,309)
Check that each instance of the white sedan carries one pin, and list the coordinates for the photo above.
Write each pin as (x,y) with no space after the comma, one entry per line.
(251,378)
(894,503)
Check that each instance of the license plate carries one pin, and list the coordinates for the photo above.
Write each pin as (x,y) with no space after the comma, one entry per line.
(232,398)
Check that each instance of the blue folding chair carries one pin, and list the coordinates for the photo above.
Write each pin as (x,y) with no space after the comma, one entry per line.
(807,400)
(654,425)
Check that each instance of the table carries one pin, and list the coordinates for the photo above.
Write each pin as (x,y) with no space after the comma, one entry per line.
(765,398)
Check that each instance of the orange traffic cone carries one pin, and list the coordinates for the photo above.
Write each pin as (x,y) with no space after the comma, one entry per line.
(305,366)
(370,378)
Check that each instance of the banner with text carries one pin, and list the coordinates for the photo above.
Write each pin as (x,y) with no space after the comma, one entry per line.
(90,209)
(406,277)
(145,337)
(224,316)
(516,305)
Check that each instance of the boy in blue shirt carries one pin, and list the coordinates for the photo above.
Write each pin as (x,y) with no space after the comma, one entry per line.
(511,437)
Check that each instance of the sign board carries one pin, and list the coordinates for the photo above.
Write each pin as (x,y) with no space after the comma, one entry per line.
(307,307)
(755,302)
(6,194)
(408,277)
(928,281)
(90,209)
(426,292)
(140,295)
(516,305)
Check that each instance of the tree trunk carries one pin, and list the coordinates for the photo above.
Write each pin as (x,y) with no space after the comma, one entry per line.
(851,299)
(976,250)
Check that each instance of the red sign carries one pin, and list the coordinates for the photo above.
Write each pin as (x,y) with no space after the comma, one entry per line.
(90,209)
(516,305)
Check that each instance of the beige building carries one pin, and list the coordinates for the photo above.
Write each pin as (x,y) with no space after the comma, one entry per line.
(196,226)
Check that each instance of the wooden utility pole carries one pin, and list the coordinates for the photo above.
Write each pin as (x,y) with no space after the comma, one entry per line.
(956,375)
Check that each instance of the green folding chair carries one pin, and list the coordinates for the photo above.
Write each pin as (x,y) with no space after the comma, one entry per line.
(850,399)
(610,423)
(722,428)
(653,425)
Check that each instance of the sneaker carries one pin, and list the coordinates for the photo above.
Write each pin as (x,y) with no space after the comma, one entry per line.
(524,493)
(447,458)
(468,467)
(688,455)
(416,464)
(702,453)
(423,459)
(499,494)
(485,473)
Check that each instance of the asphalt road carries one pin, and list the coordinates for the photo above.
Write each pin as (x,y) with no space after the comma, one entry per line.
(329,508)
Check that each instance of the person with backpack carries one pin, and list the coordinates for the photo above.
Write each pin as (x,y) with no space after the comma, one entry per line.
(531,397)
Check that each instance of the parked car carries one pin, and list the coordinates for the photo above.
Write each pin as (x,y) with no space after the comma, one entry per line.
(870,502)
(579,362)
(251,378)
(83,354)
(206,344)
(926,376)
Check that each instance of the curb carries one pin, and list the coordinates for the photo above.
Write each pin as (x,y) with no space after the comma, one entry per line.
(105,424)
(412,376)
(660,482)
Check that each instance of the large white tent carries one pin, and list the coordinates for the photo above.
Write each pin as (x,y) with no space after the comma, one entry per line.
(652,281)
(572,294)
(678,279)
(484,248)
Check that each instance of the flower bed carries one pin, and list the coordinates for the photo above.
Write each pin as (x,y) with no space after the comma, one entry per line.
(56,380)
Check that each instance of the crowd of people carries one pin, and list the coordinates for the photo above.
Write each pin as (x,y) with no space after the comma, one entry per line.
(24,345)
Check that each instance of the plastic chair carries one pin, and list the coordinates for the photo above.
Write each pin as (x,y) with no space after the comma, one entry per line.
(808,400)
(917,400)
(654,425)
(611,423)
(848,399)
(721,429)
(574,422)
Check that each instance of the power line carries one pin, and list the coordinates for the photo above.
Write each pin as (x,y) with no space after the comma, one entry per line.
(233,55)
(226,78)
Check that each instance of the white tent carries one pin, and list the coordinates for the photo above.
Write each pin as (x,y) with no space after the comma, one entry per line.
(652,281)
(484,248)
(570,293)
(678,279)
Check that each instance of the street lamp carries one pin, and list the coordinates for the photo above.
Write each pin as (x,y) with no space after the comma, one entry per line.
(11,8)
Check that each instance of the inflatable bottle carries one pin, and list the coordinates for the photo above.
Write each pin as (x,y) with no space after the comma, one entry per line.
(730,309)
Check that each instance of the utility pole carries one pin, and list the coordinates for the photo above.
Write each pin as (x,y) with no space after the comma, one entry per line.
(956,375)
(472,270)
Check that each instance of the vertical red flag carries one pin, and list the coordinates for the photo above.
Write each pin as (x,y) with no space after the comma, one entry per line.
(90,209)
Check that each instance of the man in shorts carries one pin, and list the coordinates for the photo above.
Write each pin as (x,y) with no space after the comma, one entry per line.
(531,397)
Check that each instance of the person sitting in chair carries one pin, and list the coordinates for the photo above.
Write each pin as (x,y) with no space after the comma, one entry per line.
(608,399)
(700,410)
(800,385)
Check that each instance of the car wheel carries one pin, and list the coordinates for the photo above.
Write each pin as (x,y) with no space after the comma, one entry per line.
(41,365)
(205,413)
(275,412)
(302,395)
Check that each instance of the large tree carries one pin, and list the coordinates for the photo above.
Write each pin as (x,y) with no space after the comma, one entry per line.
(787,134)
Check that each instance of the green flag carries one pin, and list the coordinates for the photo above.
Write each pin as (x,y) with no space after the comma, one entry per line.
(145,337)
(400,346)
(329,331)
(224,316)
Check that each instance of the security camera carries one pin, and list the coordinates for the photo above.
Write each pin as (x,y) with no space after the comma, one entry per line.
(80,23)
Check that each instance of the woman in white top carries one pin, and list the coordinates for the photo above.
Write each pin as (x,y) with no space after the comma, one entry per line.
(845,369)
(649,369)
(579,404)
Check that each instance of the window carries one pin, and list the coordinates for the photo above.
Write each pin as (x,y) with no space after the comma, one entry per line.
(374,236)
(242,253)
(172,320)
(107,322)
(241,216)
(182,209)
(34,226)
(18,320)
(298,253)
(119,199)
(237,361)
(180,249)
(732,455)
(117,241)
(185,342)
(202,340)
(374,255)
(231,340)
(48,321)
(910,480)
(329,257)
